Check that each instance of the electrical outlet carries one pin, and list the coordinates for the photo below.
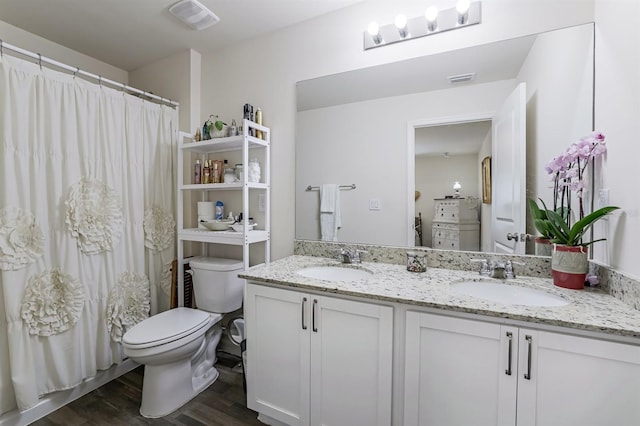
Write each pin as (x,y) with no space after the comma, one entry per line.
(603,200)
(603,197)
(260,202)
(374,204)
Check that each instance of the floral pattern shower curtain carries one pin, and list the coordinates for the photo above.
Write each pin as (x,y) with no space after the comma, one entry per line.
(86,226)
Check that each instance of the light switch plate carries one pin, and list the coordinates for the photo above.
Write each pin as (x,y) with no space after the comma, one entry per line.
(374,204)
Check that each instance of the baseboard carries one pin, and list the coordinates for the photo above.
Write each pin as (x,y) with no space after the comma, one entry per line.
(55,400)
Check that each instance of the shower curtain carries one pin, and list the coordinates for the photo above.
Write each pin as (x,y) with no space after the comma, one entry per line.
(87,226)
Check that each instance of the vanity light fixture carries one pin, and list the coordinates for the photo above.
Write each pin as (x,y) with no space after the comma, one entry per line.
(457,187)
(434,21)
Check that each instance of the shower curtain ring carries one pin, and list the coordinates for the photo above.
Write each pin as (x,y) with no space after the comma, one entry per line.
(76,72)
(100,80)
(1,48)
(40,61)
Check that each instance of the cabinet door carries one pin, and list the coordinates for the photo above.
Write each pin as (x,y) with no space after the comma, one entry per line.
(459,372)
(577,381)
(277,323)
(351,362)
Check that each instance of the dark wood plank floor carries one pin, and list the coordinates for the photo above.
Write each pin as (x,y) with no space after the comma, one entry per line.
(118,403)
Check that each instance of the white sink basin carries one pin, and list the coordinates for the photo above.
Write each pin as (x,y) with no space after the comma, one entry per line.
(334,273)
(505,293)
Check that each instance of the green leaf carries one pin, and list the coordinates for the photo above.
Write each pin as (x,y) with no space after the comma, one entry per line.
(559,228)
(580,227)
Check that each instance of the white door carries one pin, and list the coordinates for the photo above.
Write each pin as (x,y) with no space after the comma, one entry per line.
(277,326)
(508,163)
(351,362)
(459,372)
(577,381)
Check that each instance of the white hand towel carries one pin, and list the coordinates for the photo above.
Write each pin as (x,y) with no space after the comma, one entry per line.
(330,220)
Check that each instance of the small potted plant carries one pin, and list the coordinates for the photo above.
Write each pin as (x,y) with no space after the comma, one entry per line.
(569,263)
(216,127)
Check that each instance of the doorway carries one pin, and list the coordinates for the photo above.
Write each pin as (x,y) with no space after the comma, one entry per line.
(442,152)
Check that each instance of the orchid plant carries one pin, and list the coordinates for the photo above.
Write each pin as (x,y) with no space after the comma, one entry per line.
(568,174)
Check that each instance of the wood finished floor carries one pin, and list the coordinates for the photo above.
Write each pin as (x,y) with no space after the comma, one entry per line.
(117,403)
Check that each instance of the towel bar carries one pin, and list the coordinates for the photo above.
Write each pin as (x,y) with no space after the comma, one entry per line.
(315,188)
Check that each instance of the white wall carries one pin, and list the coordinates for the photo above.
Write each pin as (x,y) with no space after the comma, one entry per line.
(336,155)
(617,112)
(25,40)
(263,72)
(552,94)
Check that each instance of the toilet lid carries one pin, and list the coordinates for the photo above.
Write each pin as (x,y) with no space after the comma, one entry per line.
(165,327)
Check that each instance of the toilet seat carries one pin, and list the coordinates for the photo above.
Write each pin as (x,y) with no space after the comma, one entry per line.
(166,327)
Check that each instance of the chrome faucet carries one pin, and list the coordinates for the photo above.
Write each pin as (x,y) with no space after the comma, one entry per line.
(497,269)
(349,256)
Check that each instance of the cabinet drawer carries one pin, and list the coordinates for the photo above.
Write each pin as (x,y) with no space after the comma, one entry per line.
(446,234)
(440,225)
(444,212)
(446,244)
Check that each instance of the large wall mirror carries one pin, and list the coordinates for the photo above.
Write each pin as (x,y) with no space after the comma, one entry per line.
(404,134)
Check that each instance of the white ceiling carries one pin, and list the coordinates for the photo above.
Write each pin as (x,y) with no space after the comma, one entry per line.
(451,139)
(131,33)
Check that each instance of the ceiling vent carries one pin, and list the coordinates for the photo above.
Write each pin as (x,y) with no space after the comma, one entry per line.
(194,14)
(461,78)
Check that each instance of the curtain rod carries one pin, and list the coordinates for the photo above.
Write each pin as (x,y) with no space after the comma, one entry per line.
(78,71)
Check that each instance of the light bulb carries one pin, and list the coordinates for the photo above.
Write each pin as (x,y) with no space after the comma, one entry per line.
(457,185)
(431,15)
(463,11)
(374,31)
(401,21)
(401,24)
(463,6)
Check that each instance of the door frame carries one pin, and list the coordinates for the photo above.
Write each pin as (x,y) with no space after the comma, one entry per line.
(412,125)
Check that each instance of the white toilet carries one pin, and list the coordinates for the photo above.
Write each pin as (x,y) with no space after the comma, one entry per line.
(178,346)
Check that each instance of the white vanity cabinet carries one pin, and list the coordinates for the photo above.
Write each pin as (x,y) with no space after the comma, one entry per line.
(461,371)
(316,360)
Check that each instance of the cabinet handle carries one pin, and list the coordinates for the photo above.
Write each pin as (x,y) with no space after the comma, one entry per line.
(304,302)
(313,316)
(510,337)
(527,375)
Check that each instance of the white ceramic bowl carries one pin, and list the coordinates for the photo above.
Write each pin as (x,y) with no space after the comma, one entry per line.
(239,227)
(217,225)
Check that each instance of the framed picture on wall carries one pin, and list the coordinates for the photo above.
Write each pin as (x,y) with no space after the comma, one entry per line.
(486,180)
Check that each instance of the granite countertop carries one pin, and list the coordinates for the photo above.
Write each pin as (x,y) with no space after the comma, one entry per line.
(589,309)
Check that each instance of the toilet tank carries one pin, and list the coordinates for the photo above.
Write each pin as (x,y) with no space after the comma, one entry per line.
(216,284)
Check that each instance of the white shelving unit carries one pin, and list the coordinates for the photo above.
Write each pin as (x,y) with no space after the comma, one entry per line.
(208,149)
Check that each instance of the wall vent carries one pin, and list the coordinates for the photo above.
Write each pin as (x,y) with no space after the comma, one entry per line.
(461,78)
